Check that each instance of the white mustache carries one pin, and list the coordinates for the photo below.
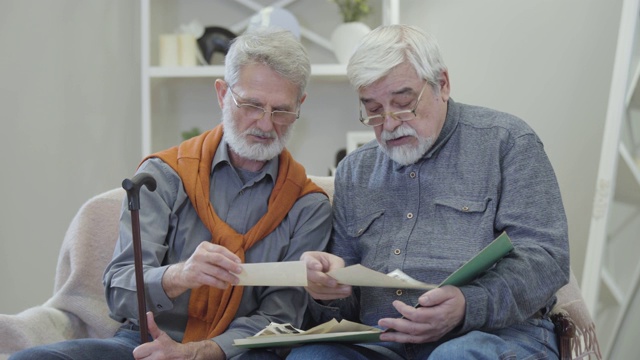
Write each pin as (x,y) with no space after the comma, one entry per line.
(262,134)
(402,130)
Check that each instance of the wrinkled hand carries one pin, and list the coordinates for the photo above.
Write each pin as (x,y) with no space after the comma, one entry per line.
(165,348)
(320,285)
(210,264)
(440,311)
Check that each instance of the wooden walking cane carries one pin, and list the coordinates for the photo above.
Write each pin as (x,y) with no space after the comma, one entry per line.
(133,197)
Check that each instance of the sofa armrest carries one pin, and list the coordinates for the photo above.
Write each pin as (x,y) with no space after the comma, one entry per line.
(78,308)
(573,324)
(35,326)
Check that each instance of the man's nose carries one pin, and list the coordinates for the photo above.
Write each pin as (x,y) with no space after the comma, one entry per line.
(390,123)
(265,123)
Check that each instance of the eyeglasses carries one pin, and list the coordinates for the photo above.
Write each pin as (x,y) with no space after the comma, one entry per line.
(402,115)
(255,112)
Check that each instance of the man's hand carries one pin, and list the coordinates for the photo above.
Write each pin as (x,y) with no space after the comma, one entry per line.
(320,285)
(440,311)
(210,264)
(164,348)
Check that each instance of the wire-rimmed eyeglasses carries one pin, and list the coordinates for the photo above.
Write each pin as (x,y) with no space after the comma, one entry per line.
(255,112)
(402,115)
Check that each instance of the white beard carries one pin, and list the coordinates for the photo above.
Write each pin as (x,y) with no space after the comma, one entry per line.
(256,152)
(405,154)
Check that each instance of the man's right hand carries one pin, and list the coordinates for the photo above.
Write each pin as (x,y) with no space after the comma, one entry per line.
(211,265)
(320,285)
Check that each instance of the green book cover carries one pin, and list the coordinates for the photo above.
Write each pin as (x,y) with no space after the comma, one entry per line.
(480,263)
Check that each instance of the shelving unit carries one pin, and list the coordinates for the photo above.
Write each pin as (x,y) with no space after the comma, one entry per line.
(611,277)
(160,83)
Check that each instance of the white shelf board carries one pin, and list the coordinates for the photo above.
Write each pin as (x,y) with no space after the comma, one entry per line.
(632,100)
(612,286)
(628,179)
(216,71)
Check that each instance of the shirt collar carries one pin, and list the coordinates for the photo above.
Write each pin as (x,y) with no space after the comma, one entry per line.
(450,124)
(222,157)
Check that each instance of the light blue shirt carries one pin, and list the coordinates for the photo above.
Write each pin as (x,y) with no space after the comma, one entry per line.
(486,173)
(171,230)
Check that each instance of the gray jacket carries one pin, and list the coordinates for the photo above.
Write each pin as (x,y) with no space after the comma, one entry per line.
(486,173)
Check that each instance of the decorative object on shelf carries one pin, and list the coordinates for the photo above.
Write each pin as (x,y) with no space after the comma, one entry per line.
(345,37)
(215,40)
(210,40)
(178,50)
(275,16)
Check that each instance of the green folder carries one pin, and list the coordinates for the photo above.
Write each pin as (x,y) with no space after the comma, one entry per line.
(480,263)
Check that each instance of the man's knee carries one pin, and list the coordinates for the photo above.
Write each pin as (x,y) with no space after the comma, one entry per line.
(474,345)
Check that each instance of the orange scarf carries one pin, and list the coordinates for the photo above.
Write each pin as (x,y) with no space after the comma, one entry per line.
(211,310)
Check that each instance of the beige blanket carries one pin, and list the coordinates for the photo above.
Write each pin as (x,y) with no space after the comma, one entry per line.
(77,308)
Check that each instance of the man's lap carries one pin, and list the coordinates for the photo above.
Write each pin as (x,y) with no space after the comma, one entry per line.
(120,346)
(534,339)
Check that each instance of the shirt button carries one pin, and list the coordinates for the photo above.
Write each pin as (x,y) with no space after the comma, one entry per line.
(241,192)
(360,231)
(412,174)
(159,306)
(465,208)
(409,216)
(399,292)
(397,251)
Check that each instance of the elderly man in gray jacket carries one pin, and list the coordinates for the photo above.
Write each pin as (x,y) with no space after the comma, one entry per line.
(441,182)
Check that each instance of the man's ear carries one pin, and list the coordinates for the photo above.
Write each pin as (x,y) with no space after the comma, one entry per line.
(221,91)
(445,86)
(304,96)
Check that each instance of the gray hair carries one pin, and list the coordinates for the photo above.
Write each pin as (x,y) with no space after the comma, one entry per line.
(276,48)
(386,47)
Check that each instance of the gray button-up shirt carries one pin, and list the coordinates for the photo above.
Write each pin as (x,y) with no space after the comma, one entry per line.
(171,231)
(486,173)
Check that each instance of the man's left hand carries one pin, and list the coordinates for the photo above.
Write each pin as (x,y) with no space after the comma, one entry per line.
(440,311)
(163,347)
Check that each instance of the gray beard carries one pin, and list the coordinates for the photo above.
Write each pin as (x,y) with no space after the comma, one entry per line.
(257,152)
(406,154)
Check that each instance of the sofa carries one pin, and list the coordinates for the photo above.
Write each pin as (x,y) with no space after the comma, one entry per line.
(77,308)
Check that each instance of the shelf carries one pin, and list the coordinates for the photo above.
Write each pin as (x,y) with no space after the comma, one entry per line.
(628,179)
(172,96)
(317,70)
(609,281)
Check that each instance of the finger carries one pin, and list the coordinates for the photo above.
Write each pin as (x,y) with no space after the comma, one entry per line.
(402,337)
(321,279)
(141,351)
(215,261)
(219,278)
(435,297)
(320,292)
(309,257)
(221,251)
(407,311)
(154,330)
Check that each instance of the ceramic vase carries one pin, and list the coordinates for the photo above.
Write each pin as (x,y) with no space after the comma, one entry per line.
(346,37)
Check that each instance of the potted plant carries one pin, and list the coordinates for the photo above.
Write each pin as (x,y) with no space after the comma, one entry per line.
(346,36)
(353,10)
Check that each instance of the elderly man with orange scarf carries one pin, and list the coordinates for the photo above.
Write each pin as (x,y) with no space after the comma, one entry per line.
(231,195)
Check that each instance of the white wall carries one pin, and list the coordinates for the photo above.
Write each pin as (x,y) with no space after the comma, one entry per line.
(69,104)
